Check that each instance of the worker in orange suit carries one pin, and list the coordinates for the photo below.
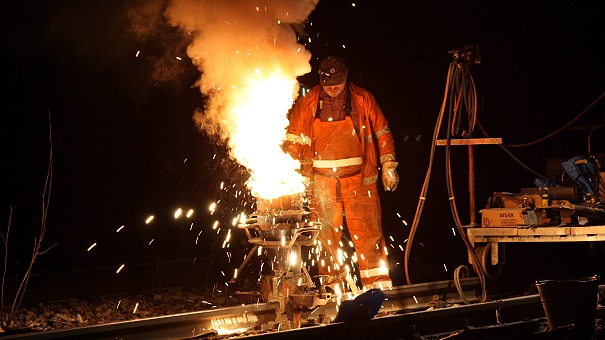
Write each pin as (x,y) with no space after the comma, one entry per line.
(343,141)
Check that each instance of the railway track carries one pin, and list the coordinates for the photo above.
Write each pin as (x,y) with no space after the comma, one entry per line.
(419,311)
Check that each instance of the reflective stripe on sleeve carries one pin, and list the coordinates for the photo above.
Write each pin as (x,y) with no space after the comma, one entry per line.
(382,131)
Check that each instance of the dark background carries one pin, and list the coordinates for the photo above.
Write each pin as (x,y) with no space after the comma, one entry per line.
(124,145)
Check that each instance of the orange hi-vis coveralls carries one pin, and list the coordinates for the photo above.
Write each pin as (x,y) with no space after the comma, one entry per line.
(342,158)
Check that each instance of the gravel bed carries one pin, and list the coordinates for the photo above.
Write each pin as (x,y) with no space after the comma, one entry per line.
(95,310)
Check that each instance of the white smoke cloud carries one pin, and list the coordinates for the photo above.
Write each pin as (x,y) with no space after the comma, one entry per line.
(249,57)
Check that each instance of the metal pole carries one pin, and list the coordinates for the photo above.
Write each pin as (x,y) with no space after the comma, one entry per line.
(471,186)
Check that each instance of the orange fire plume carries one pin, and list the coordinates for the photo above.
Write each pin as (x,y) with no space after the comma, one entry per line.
(249,56)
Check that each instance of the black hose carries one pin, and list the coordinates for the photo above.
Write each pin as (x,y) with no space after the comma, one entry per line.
(462,87)
(459,86)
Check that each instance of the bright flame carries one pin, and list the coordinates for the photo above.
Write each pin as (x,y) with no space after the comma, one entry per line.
(261,122)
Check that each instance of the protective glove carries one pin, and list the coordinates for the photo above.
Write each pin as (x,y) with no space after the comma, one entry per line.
(390,179)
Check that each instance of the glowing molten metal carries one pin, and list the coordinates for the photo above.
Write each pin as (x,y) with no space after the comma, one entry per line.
(259,111)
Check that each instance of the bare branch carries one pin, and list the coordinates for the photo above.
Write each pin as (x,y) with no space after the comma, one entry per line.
(5,240)
(37,247)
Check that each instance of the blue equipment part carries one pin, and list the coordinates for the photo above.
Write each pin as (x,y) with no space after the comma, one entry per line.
(363,308)
(584,171)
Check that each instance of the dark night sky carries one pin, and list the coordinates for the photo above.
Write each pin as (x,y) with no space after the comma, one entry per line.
(124,144)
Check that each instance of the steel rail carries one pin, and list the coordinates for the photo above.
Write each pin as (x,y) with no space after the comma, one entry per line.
(177,326)
(199,324)
(517,316)
(399,318)
(414,324)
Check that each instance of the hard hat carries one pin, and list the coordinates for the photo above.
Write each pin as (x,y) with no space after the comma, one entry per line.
(332,71)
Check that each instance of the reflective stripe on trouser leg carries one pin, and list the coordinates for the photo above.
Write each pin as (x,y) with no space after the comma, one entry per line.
(363,216)
(373,275)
